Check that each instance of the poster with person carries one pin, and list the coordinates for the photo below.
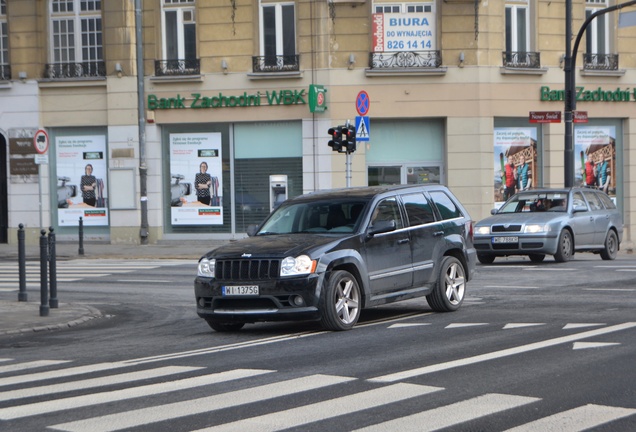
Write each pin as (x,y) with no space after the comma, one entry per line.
(515,161)
(82,189)
(595,158)
(196,187)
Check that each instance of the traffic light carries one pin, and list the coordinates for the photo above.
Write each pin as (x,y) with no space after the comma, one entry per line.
(336,138)
(350,134)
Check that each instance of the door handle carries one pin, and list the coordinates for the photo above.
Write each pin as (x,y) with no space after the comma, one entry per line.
(403,241)
(438,233)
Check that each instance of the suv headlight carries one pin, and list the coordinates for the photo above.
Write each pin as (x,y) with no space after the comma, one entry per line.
(300,265)
(206,267)
(536,229)
(482,230)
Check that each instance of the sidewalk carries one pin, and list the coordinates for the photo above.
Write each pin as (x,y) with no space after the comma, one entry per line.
(17,317)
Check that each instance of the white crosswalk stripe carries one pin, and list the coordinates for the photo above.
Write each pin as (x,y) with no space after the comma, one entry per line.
(354,396)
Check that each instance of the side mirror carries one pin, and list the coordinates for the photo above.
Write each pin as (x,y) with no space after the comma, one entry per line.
(493,211)
(251,230)
(579,208)
(381,227)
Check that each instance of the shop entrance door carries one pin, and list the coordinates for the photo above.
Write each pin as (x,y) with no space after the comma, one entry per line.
(4,176)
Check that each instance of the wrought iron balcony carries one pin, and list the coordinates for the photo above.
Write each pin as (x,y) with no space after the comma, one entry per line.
(282,63)
(177,67)
(521,59)
(5,72)
(405,59)
(75,70)
(600,61)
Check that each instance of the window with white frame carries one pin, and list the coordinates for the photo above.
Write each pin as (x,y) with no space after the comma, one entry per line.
(278,33)
(180,39)
(517,27)
(597,39)
(402,7)
(4,42)
(76,38)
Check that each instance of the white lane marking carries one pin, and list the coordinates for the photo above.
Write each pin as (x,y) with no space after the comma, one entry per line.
(521,325)
(626,270)
(77,370)
(610,289)
(30,365)
(95,382)
(504,267)
(345,405)
(577,419)
(585,345)
(39,408)
(145,416)
(616,266)
(512,286)
(549,269)
(581,325)
(143,281)
(453,414)
(408,325)
(398,376)
(462,325)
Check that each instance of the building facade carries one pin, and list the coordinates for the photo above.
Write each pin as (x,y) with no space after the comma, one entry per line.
(236,98)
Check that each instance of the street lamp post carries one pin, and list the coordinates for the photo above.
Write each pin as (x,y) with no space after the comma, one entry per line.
(570,86)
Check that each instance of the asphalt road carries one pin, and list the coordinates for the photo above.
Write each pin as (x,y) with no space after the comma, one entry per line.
(534,347)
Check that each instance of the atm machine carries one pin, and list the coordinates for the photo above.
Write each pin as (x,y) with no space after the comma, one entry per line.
(277,190)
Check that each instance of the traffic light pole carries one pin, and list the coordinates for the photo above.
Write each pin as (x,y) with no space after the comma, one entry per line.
(570,82)
(348,174)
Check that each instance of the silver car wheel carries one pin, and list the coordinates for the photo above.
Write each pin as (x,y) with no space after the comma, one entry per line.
(341,302)
(455,283)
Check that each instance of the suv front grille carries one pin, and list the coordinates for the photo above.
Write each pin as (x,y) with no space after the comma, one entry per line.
(503,228)
(247,269)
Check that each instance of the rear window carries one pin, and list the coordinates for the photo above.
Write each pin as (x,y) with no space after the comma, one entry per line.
(607,201)
(445,205)
(418,209)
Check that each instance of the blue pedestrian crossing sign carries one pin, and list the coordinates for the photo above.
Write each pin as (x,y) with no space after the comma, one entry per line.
(363,131)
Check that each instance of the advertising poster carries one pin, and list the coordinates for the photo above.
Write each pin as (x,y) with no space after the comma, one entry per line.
(595,157)
(81,180)
(515,161)
(394,32)
(196,173)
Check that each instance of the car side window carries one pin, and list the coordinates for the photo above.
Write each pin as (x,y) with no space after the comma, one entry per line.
(593,200)
(578,201)
(446,206)
(387,210)
(418,209)
(607,201)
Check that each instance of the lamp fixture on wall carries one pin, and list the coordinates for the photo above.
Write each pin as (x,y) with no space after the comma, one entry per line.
(224,66)
(352,60)
(22,75)
(118,69)
(461,59)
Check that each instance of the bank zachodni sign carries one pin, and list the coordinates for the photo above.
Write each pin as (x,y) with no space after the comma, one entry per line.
(220,100)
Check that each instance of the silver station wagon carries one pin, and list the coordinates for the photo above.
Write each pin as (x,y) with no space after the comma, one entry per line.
(556,222)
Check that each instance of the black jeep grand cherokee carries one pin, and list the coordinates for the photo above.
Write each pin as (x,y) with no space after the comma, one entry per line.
(327,255)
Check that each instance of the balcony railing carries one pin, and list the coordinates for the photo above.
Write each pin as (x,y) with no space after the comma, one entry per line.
(282,63)
(405,59)
(600,62)
(75,70)
(521,59)
(5,72)
(177,67)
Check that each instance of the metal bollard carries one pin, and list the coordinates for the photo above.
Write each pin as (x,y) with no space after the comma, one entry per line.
(81,236)
(44,289)
(22,293)
(52,270)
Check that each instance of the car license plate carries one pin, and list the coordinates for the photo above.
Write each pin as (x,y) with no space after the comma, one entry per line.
(505,239)
(240,290)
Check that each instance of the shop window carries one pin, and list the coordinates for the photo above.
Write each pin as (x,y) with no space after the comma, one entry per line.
(277,39)
(597,40)
(403,174)
(518,51)
(76,40)
(180,39)
(5,68)
(392,47)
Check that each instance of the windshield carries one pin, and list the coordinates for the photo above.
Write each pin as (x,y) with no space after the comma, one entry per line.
(314,217)
(536,202)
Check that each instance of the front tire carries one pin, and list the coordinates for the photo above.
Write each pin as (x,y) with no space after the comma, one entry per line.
(340,308)
(448,294)
(537,258)
(611,246)
(486,258)
(565,247)
(225,327)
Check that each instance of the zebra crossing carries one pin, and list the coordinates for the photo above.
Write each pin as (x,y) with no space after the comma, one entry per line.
(73,271)
(28,395)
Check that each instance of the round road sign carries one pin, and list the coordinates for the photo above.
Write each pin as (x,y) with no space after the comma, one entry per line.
(363,103)
(41,141)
